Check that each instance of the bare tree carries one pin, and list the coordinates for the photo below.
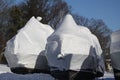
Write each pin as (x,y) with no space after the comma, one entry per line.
(80,20)
(4,17)
(50,10)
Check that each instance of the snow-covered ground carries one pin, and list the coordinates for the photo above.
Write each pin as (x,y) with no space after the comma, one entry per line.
(107,76)
(6,74)
(4,69)
(12,76)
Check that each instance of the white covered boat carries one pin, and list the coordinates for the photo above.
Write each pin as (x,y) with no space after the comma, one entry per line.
(73,47)
(26,49)
(115,49)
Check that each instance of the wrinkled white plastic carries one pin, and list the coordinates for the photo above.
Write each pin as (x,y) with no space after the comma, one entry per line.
(73,47)
(115,49)
(39,18)
(27,47)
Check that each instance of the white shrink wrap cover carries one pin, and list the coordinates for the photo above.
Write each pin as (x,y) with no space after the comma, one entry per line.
(27,47)
(115,49)
(73,47)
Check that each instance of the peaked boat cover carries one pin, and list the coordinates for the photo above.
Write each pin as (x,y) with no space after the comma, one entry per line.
(27,47)
(115,49)
(73,47)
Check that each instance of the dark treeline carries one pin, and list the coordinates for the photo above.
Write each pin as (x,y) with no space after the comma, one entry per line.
(14,16)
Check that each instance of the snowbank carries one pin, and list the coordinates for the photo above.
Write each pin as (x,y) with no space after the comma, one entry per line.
(107,76)
(26,48)
(4,69)
(12,76)
(6,74)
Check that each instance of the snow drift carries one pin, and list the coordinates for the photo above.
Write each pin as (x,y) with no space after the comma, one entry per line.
(27,47)
(4,69)
(6,74)
(73,47)
(115,49)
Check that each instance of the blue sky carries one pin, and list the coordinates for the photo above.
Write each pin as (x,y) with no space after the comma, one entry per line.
(107,10)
